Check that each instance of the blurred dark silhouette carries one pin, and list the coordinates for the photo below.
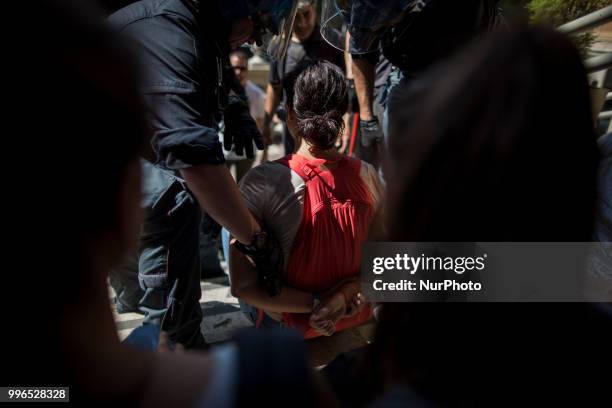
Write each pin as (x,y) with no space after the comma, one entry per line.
(501,149)
(77,127)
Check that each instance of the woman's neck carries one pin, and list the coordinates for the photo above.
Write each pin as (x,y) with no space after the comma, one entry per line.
(312,152)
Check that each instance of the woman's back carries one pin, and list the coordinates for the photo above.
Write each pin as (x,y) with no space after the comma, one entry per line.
(337,211)
(276,194)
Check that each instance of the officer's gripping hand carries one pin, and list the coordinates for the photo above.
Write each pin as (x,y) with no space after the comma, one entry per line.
(371,132)
(267,255)
(240,128)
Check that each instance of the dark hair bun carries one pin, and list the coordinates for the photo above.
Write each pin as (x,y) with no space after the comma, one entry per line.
(322,130)
(319,102)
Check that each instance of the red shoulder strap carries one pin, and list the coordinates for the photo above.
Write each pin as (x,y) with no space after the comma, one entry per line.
(299,164)
(306,169)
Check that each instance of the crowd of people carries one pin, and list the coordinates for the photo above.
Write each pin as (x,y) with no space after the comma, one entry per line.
(126,112)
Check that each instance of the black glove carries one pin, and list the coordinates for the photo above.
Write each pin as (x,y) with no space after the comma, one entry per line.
(240,128)
(352,96)
(266,253)
(371,133)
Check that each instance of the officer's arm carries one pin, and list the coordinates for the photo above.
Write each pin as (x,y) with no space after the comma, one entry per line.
(364,71)
(273,95)
(348,59)
(217,193)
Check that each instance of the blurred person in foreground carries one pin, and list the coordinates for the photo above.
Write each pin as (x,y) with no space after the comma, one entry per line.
(601,261)
(493,169)
(63,333)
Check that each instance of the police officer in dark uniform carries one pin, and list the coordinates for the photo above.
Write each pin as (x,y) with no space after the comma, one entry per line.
(189,86)
(412,34)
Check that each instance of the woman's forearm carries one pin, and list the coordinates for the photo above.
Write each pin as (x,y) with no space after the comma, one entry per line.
(244,285)
(289,300)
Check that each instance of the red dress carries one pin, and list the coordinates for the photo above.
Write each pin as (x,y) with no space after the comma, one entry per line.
(338,210)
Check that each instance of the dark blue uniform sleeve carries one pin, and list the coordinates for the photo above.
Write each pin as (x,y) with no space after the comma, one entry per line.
(177,86)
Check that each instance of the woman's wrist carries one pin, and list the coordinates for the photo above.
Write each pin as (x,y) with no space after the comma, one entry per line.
(336,293)
(316,301)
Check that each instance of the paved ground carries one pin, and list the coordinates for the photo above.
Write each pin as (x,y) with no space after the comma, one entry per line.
(222,315)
